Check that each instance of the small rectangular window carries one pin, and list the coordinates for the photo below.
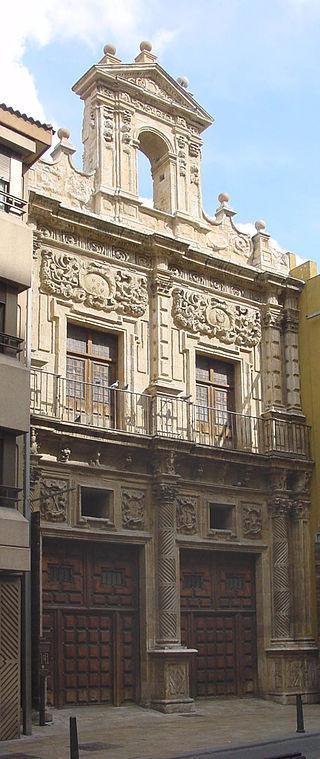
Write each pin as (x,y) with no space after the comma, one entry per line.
(95,503)
(220,517)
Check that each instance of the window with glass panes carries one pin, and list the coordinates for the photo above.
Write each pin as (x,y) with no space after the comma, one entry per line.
(214,390)
(91,363)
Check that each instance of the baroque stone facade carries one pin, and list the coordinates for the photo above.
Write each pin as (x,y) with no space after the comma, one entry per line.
(163,399)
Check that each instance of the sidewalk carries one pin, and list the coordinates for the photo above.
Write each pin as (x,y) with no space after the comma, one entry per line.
(131,732)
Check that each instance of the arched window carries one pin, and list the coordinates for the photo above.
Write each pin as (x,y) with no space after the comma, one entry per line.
(145,181)
(156,150)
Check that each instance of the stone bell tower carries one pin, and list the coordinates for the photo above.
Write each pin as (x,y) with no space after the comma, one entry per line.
(138,106)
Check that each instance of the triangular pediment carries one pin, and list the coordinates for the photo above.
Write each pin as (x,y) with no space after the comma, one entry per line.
(151,82)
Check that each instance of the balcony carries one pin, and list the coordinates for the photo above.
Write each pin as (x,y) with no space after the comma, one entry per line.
(11,204)
(9,496)
(101,407)
(10,344)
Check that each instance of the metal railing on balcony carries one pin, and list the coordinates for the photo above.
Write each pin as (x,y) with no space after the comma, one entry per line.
(96,405)
(11,204)
(9,496)
(10,344)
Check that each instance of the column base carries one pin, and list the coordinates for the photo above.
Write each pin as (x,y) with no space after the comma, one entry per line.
(291,671)
(170,678)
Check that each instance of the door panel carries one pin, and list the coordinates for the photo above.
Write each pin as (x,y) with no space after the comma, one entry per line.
(90,617)
(218,619)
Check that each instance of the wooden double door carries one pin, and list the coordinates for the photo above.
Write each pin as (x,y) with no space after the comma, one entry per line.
(218,619)
(90,618)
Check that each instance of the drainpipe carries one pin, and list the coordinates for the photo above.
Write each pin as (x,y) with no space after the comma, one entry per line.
(26,580)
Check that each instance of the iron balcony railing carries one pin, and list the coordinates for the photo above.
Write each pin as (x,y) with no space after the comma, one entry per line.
(11,204)
(96,405)
(9,496)
(10,343)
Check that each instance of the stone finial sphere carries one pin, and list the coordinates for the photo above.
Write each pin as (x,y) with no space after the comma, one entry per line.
(63,133)
(183,81)
(260,225)
(223,197)
(145,45)
(109,49)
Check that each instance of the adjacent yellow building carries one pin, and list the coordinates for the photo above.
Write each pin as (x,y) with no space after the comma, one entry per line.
(309,342)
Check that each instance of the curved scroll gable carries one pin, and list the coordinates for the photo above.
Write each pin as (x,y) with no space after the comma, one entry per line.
(212,316)
(93,284)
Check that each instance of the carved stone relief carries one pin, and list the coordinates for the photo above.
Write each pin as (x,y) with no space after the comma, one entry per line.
(93,284)
(209,315)
(108,124)
(251,520)
(88,245)
(53,499)
(133,509)
(186,515)
(177,680)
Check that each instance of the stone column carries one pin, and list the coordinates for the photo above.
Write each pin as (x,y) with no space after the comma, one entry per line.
(281,580)
(169,660)
(168,608)
(292,374)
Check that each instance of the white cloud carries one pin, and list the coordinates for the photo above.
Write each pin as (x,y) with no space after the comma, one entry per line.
(40,22)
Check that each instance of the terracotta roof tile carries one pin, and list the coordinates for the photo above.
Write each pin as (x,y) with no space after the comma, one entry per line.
(48,127)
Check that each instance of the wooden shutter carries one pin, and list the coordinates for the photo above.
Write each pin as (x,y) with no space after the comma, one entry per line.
(5,167)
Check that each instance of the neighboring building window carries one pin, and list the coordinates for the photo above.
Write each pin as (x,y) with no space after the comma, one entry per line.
(4,180)
(2,308)
(215,400)
(91,370)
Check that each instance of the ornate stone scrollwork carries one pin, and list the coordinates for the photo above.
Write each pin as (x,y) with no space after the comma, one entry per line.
(133,509)
(251,520)
(209,315)
(93,284)
(300,508)
(186,515)
(53,499)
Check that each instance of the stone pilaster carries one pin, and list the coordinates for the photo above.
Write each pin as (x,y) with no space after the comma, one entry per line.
(291,354)
(302,600)
(271,345)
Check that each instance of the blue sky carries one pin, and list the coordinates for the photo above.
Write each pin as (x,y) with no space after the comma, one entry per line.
(254,65)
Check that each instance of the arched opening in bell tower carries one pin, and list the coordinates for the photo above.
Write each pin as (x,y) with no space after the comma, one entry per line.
(156,149)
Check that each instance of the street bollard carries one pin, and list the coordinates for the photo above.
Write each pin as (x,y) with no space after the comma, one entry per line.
(300,723)
(74,746)
(42,699)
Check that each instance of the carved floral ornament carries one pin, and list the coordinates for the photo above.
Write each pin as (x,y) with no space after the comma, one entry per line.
(93,284)
(209,315)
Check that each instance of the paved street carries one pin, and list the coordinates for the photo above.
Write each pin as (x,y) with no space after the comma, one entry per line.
(218,727)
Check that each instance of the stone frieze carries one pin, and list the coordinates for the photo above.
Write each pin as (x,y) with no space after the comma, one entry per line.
(212,316)
(93,284)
